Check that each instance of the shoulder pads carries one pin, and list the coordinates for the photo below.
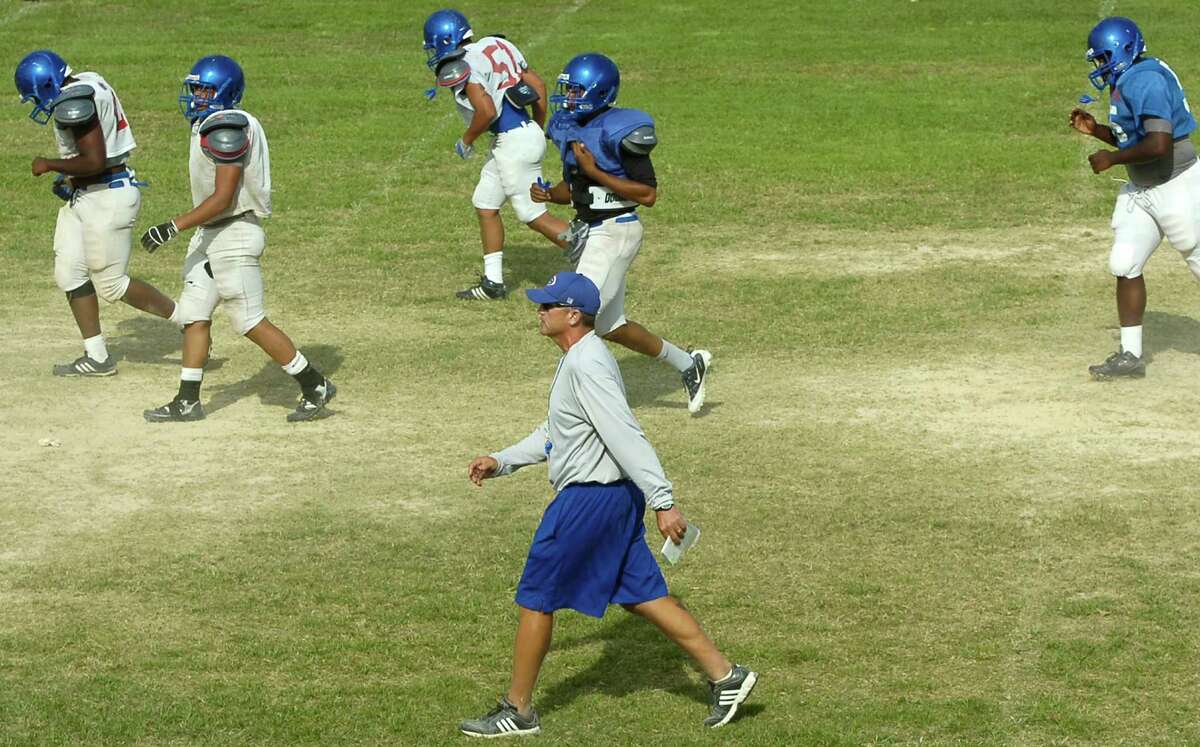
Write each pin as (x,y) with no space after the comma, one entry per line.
(75,105)
(225,136)
(641,141)
(224,119)
(452,72)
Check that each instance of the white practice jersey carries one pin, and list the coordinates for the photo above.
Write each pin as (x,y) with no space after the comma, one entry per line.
(496,64)
(254,190)
(118,136)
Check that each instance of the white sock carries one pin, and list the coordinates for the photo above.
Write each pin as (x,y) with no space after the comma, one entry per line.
(298,364)
(675,357)
(95,348)
(1131,340)
(191,374)
(493,266)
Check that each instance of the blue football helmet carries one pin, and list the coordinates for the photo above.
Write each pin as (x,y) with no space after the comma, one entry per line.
(1113,46)
(444,32)
(587,85)
(216,72)
(39,79)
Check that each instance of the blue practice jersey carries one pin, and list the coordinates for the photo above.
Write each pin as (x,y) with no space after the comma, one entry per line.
(1148,90)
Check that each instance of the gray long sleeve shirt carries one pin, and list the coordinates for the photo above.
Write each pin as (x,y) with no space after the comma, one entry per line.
(590,434)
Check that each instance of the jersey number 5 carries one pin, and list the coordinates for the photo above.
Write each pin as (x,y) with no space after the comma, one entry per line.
(512,74)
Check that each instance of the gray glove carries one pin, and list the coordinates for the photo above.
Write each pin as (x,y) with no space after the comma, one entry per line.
(576,237)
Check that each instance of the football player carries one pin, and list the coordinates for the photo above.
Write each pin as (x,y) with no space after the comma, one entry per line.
(1150,124)
(94,231)
(493,87)
(607,175)
(231,192)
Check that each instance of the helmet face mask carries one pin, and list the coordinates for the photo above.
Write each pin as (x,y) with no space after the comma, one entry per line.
(445,31)
(215,83)
(588,85)
(1113,46)
(39,78)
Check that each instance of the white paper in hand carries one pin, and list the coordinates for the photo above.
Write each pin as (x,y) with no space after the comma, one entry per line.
(672,552)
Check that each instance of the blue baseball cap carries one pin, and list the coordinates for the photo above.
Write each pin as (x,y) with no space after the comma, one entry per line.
(570,289)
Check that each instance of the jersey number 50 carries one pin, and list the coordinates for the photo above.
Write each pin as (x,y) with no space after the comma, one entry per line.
(511,73)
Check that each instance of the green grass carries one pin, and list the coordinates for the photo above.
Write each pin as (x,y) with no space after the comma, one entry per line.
(922,525)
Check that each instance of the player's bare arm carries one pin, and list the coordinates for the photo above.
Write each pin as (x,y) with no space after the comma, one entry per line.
(89,140)
(1154,146)
(559,194)
(1087,124)
(539,107)
(485,112)
(643,194)
(227,180)
(228,177)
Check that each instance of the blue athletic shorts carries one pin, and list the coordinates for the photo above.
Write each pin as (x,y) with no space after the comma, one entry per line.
(590,551)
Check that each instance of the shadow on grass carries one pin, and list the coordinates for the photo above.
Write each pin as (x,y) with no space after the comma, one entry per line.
(530,263)
(635,657)
(272,386)
(148,339)
(1171,332)
(652,383)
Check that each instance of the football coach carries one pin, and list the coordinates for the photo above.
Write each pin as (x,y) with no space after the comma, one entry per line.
(590,549)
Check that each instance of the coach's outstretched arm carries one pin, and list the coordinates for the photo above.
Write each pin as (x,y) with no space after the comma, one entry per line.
(527,451)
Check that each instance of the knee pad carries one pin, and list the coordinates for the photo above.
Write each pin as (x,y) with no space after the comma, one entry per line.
(83,291)
(113,289)
(242,323)
(526,209)
(604,325)
(1123,262)
(190,309)
(1193,262)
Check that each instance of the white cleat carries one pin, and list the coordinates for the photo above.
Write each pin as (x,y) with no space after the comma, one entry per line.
(695,377)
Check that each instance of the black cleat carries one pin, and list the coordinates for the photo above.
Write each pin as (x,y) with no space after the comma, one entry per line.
(486,290)
(175,411)
(502,721)
(1119,365)
(728,694)
(85,365)
(694,378)
(313,402)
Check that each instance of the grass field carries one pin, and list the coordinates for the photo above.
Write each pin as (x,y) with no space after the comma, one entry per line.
(922,523)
